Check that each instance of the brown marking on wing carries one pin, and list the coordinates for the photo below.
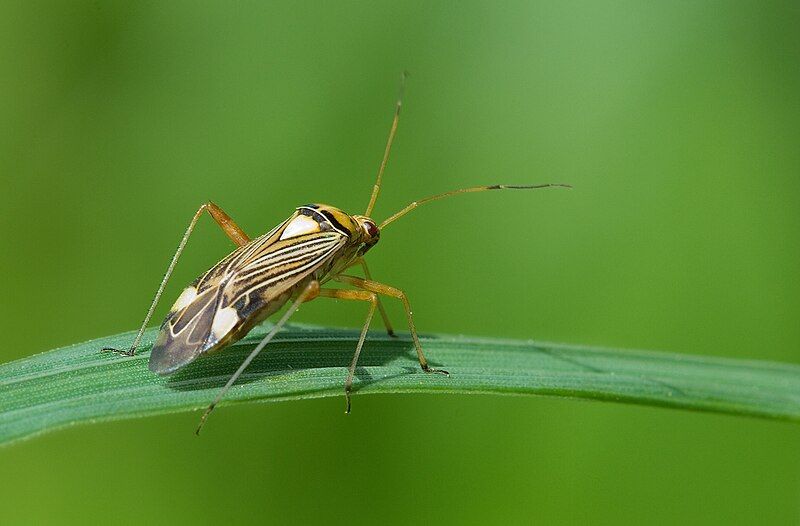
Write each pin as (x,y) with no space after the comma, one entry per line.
(249,284)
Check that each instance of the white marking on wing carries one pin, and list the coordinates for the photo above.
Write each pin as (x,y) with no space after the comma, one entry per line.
(299,226)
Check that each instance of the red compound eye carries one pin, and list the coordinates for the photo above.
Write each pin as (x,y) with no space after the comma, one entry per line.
(371,229)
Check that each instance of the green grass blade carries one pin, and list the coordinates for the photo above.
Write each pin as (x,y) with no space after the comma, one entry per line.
(79,384)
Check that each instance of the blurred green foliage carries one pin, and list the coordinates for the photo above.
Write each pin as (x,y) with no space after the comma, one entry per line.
(677,122)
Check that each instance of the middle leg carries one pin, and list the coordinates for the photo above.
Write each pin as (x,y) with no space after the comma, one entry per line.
(363,264)
(386,290)
(384,317)
(358,295)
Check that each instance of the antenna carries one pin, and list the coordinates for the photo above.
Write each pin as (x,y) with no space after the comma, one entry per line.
(377,187)
(436,197)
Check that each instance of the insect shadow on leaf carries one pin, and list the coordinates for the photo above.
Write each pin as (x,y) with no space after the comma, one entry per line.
(286,358)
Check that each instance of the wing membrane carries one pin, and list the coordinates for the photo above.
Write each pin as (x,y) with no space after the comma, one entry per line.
(249,284)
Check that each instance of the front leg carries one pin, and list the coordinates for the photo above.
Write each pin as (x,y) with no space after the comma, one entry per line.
(386,290)
(358,295)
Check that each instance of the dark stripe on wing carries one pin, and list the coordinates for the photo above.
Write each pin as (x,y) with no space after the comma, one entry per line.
(243,285)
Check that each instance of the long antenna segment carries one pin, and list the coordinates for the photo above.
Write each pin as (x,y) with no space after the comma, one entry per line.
(436,197)
(376,189)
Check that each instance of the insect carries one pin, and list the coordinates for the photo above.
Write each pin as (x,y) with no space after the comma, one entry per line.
(290,263)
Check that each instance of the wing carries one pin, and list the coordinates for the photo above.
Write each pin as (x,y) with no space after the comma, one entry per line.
(241,290)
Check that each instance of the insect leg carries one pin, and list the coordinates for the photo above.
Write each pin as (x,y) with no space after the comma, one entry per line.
(384,317)
(386,290)
(308,293)
(228,226)
(381,310)
(362,295)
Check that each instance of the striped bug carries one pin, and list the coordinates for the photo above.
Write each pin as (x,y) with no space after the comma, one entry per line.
(291,262)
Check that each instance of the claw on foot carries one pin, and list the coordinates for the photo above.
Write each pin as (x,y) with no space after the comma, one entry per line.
(435,371)
(129,352)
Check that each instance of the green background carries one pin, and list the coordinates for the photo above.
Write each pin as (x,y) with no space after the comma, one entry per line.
(677,122)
